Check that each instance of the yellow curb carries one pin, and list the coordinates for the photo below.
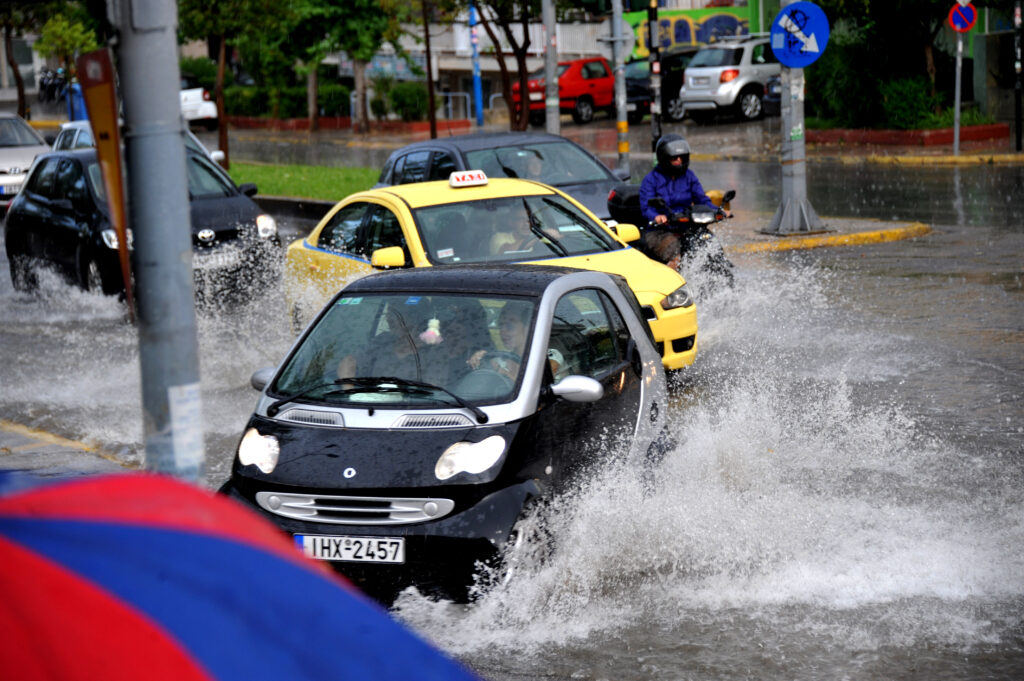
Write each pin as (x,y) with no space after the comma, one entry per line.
(911,231)
(966,159)
(51,439)
(47,124)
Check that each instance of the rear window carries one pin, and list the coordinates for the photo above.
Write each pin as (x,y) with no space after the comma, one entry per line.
(717,56)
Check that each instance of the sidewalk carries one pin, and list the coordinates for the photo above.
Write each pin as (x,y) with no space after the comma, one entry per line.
(45,454)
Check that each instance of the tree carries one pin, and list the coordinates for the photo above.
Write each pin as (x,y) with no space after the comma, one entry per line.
(503,14)
(18,18)
(64,38)
(223,21)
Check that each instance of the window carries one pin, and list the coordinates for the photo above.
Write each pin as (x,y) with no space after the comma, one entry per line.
(341,233)
(383,230)
(84,139)
(583,334)
(203,181)
(41,181)
(442,167)
(69,183)
(414,168)
(594,69)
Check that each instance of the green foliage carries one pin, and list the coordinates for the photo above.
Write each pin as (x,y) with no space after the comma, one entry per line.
(838,87)
(380,103)
(908,103)
(312,182)
(410,100)
(334,99)
(967,117)
(64,39)
(259,101)
(205,71)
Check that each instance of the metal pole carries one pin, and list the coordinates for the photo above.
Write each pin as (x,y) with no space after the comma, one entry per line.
(956,95)
(551,101)
(478,98)
(621,117)
(1017,69)
(159,216)
(795,214)
(430,72)
(655,60)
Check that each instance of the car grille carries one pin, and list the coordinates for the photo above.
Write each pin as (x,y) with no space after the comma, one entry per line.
(433,421)
(313,417)
(343,510)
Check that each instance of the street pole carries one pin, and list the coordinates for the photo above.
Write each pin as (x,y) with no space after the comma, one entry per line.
(655,61)
(1017,69)
(478,103)
(956,95)
(551,104)
(430,72)
(621,117)
(158,214)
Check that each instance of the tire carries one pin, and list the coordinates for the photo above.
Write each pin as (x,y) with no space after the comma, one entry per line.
(675,109)
(90,278)
(583,112)
(749,106)
(22,275)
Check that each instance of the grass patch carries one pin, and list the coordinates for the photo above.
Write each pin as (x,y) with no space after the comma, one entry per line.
(307,182)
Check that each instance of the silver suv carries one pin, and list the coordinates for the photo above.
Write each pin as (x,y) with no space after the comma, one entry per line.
(729,76)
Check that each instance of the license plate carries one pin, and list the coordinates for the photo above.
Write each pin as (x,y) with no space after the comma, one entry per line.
(701,80)
(352,549)
(536,96)
(217,260)
(631,107)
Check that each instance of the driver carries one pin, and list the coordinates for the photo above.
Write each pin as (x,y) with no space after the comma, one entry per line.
(671,180)
(513,325)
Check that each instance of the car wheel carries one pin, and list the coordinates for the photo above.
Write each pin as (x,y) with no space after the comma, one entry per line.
(22,275)
(89,276)
(748,106)
(675,109)
(583,112)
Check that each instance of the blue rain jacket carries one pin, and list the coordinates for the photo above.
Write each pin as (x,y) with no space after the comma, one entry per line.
(679,192)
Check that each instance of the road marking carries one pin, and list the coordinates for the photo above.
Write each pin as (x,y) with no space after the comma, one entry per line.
(42,437)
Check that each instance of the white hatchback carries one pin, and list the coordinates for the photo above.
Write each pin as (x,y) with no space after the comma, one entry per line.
(197,106)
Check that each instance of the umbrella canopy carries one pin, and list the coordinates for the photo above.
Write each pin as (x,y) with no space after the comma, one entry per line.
(143,576)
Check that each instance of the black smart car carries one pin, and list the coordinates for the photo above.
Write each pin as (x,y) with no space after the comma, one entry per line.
(551,159)
(60,219)
(422,413)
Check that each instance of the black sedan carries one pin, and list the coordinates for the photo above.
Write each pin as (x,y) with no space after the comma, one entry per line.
(60,220)
(553,160)
(424,411)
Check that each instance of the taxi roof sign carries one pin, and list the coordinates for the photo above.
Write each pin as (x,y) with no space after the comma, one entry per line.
(467,178)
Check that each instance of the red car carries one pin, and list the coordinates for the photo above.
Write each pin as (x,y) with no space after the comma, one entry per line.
(584,85)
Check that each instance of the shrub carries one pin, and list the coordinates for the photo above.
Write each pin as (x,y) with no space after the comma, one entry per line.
(838,87)
(205,71)
(908,103)
(334,100)
(409,99)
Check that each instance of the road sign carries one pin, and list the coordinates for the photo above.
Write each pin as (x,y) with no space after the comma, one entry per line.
(962,17)
(799,34)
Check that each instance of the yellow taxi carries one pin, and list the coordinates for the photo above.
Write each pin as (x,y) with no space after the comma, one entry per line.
(475,219)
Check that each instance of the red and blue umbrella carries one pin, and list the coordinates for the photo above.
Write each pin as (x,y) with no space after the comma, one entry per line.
(143,576)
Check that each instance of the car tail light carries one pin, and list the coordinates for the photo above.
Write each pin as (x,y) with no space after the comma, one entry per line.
(206,95)
(611,195)
(729,74)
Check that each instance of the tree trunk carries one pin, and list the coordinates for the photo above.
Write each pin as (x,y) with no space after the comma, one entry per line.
(19,83)
(506,80)
(218,91)
(361,115)
(312,85)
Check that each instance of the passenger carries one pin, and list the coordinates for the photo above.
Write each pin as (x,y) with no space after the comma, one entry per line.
(513,326)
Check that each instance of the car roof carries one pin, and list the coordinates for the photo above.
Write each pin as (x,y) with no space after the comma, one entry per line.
(82,153)
(483,140)
(528,280)
(439,192)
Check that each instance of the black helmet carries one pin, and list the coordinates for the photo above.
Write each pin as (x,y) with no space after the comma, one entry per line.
(670,146)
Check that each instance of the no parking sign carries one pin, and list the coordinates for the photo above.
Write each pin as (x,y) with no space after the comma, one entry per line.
(962,16)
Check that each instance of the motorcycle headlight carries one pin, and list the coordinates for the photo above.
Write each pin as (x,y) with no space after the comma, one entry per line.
(469,457)
(110,239)
(266,227)
(702,218)
(679,298)
(261,450)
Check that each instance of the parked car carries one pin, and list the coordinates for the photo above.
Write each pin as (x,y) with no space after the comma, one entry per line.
(476,219)
(197,107)
(638,85)
(410,465)
(729,76)
(584,86)
(550,159)
(19,145)
(61,220)
(78,135)
(772,100)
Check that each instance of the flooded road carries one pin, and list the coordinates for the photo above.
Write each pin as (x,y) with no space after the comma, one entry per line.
(847,498)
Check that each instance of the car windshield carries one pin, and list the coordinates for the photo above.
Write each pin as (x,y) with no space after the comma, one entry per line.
(717,56)
(554,163)
(412,350)
(15,132)
(510,229)
(638,69)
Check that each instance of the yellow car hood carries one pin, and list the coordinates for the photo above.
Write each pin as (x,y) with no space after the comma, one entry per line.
(642,273)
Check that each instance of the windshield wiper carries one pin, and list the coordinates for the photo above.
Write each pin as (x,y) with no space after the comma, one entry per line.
(275,407)
(380,381)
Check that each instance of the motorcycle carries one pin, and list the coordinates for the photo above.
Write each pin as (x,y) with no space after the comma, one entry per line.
(685,242)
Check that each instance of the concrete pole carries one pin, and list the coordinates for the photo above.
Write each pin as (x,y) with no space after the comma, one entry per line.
(956,95)
(795,214)
(654,36)
(621,117)
(158,214)
(1017,70)
(553,123)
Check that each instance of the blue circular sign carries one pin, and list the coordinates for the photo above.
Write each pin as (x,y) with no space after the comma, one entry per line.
(799,34)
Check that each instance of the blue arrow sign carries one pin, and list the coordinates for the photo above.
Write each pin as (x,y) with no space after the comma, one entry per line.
(799,34)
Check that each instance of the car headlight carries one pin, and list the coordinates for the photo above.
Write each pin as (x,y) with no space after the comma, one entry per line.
(110,239)
(266,227)
(261,450)
(469,457)
(679,298)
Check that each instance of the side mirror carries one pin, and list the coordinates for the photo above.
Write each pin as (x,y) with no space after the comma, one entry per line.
(621,173)
(392,256)
(261,377)
(578,389)
(627,232)
(217,156)
(249,189)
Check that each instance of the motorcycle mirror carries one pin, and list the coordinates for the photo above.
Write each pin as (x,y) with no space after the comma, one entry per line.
(729,196)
